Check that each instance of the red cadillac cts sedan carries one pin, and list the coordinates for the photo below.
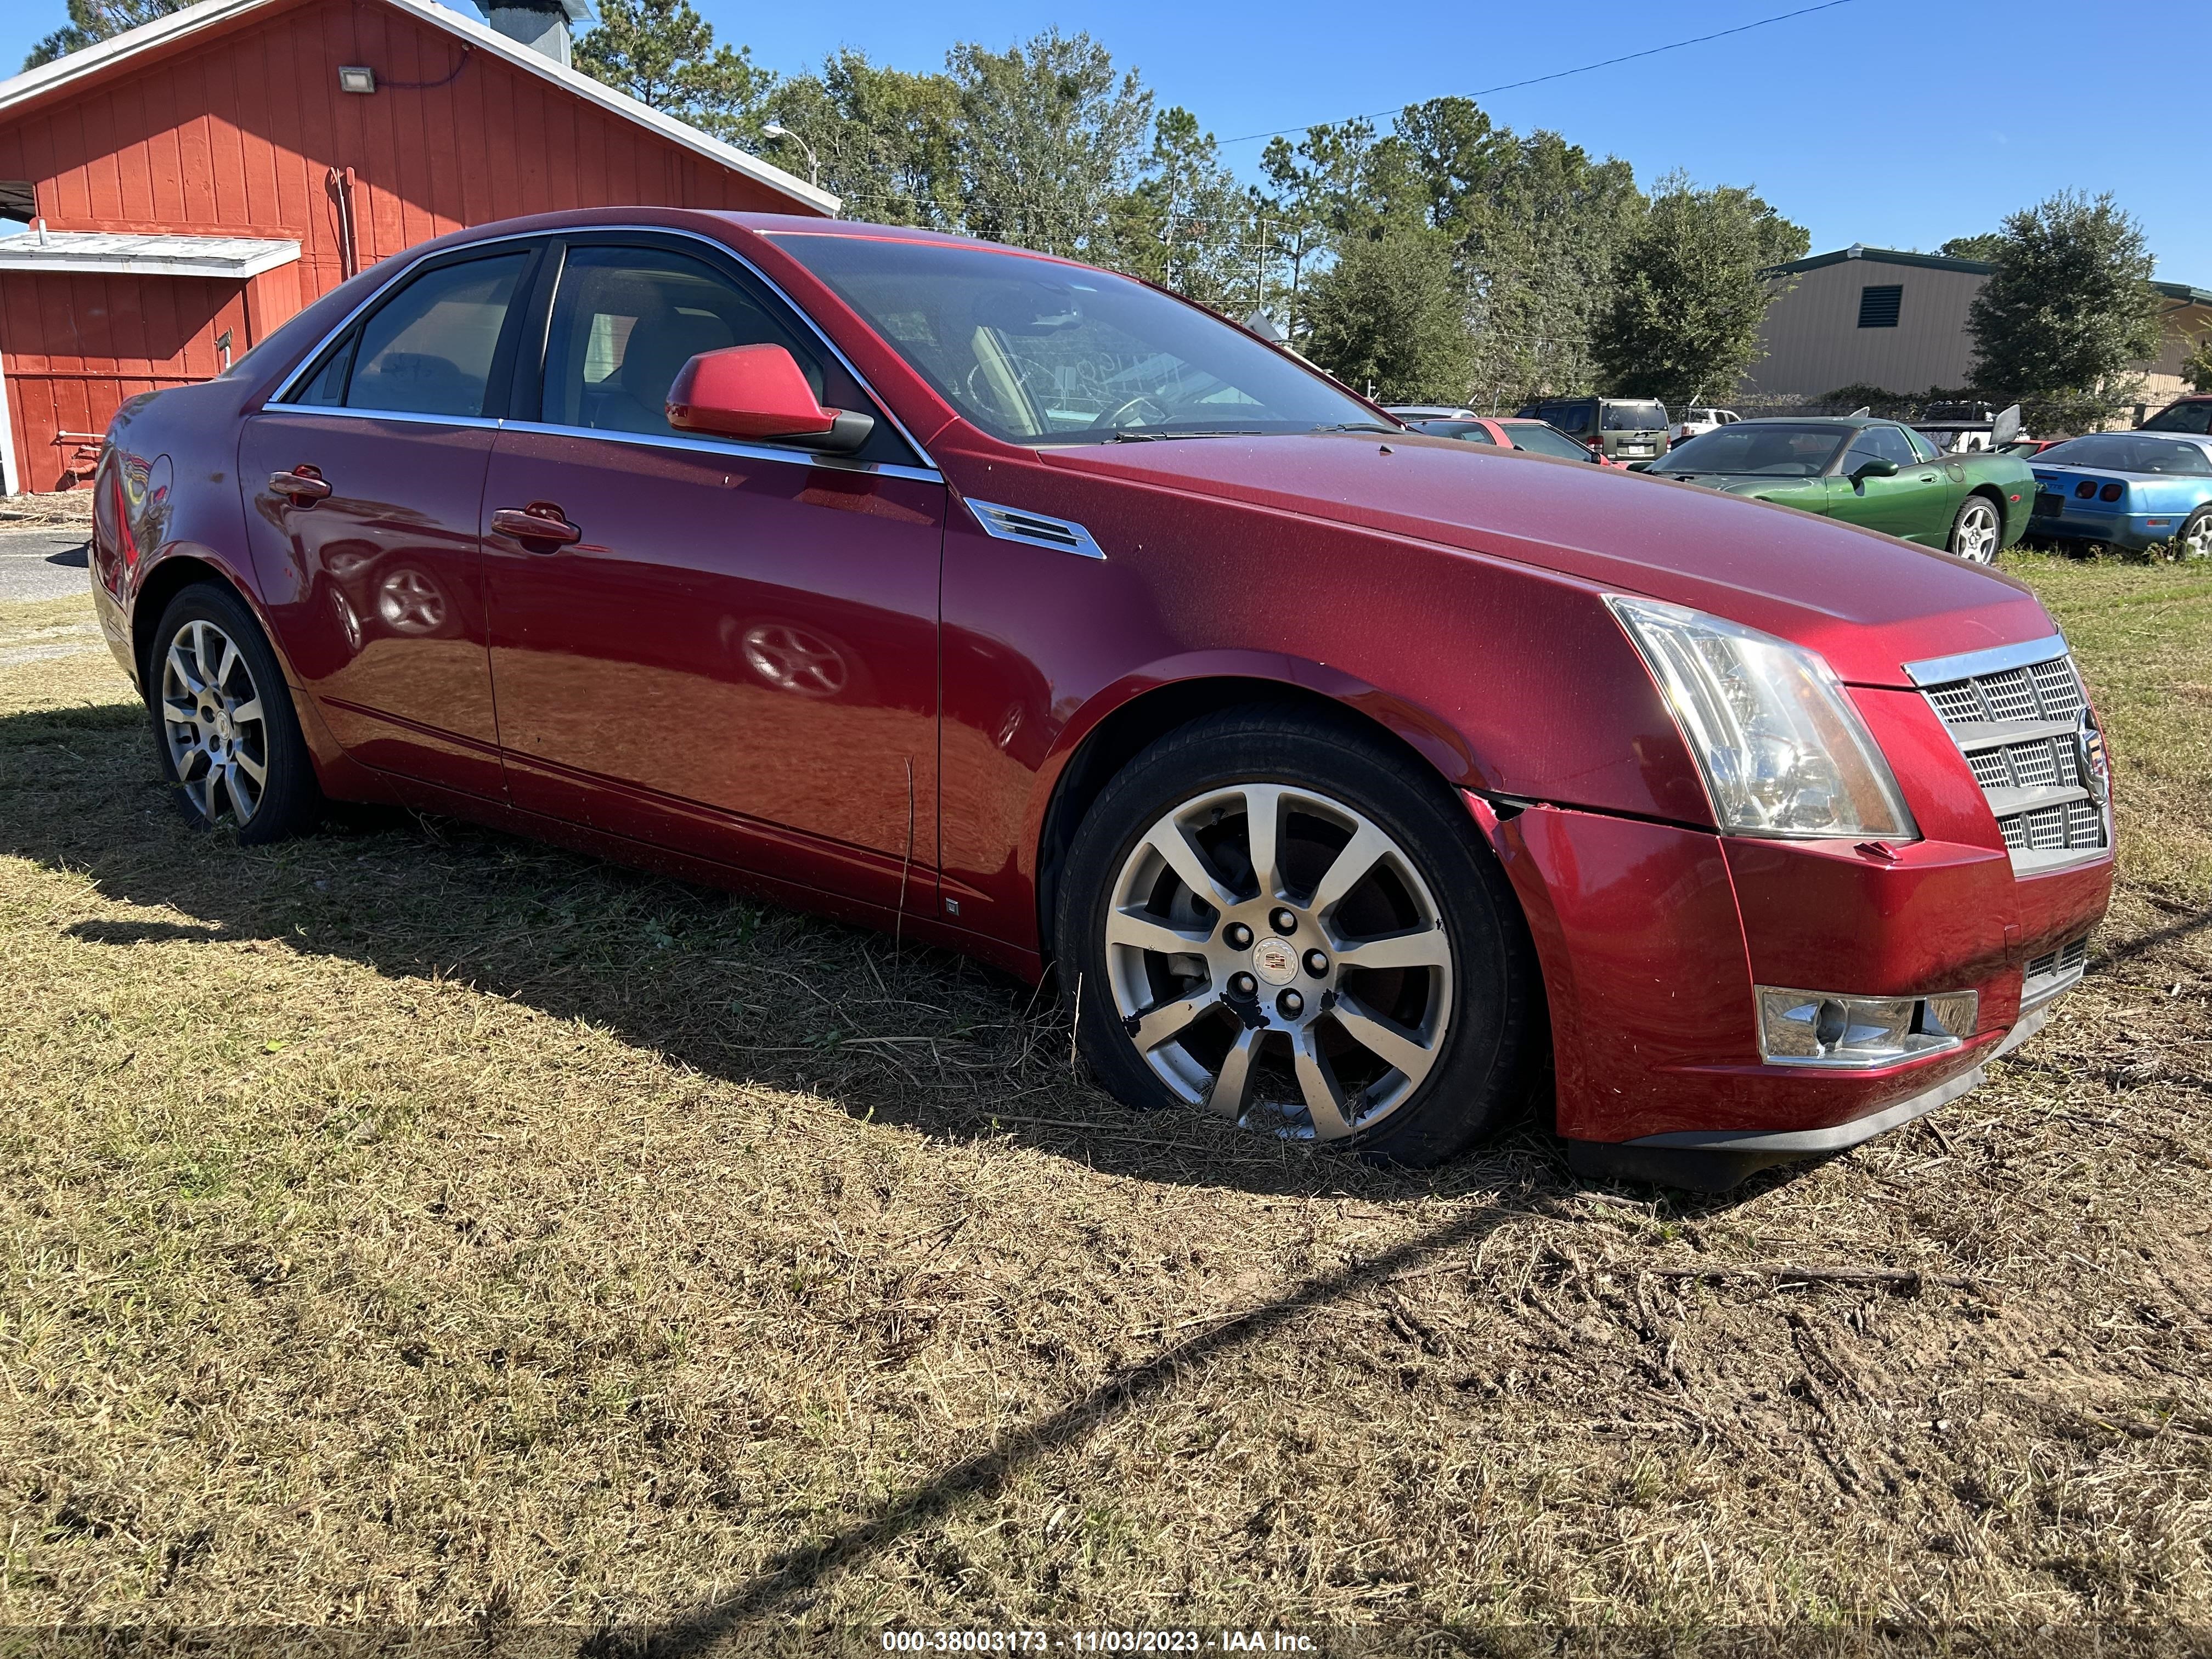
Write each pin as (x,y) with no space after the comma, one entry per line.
(1344,774)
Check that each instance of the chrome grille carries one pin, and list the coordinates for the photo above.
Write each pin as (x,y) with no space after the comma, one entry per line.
(2013,713)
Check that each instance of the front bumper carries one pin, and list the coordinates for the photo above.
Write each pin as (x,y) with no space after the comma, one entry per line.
(1652,938)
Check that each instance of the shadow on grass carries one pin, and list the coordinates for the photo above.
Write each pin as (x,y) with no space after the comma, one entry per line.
(742,992)
(726,985)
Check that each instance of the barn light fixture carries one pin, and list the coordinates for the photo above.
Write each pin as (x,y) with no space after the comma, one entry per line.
(357,77)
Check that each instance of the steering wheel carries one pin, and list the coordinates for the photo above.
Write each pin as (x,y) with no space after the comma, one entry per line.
(1142,399)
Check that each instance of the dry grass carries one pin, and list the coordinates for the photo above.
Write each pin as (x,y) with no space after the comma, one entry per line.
(411,1224)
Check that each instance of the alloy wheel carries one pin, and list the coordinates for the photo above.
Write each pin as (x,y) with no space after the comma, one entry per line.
(213,725)
(1977,533)
(2197,537)
(1276,956)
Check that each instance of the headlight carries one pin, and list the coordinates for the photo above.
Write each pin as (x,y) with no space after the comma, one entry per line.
(1783,752)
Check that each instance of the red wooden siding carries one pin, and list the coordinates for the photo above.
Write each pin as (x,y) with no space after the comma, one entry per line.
(234,132)
(77,343)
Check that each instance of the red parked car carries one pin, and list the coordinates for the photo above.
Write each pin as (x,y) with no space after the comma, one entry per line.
(1342,773)
(1534,437)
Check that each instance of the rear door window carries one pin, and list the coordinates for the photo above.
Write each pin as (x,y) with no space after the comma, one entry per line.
(429,350)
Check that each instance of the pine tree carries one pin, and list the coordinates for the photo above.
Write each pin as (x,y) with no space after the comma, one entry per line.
(662,53)
(94,21)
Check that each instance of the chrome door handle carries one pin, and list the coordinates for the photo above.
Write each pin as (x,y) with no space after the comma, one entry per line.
(303,486)
(541,521)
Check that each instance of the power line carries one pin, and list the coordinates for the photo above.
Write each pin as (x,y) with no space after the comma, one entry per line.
(1561,75)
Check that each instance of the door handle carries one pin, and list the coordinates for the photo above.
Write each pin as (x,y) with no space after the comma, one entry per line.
(303,485)
(541,521)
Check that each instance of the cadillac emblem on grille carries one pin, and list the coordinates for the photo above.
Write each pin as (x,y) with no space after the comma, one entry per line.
(2089,755)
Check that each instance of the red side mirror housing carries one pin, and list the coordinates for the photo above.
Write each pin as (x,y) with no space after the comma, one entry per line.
(746,391)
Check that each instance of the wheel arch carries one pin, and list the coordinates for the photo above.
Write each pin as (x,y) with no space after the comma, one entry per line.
(169,575)
(1118,724)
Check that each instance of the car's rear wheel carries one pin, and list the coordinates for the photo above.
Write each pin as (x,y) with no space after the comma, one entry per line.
(1279,920)
(225,731)
(1978,531)
(2195,541)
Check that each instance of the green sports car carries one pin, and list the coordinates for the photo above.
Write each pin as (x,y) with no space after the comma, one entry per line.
(1876,473)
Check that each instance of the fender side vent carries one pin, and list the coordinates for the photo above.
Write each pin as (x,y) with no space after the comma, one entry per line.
(1011,523)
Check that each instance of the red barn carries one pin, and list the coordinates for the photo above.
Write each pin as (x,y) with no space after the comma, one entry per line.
(198,180)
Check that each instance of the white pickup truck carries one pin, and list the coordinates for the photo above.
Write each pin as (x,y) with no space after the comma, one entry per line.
(1697,419)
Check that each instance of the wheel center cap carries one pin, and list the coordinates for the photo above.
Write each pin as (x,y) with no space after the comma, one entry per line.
(1275,961)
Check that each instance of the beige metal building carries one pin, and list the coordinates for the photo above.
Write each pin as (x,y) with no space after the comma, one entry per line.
(1871,316)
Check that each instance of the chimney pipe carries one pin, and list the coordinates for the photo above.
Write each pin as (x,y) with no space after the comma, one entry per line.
(544,25)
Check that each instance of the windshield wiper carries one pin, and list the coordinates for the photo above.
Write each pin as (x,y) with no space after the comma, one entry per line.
(1131,434)
(1362,426)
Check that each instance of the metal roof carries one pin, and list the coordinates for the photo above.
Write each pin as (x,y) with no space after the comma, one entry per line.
(161,255)
(92,59)
(1890,255)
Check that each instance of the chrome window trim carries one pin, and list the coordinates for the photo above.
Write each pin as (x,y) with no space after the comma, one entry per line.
(375,297)
(730,446)
(419,418)
(1972,665)
(987,514)
(928,467)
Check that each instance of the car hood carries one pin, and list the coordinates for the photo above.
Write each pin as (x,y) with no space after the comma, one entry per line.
(1867,603)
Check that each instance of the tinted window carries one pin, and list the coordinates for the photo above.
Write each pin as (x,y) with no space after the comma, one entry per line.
(628,319)
(2125,451)
(1466,431)
(1579,415)
(1921,446)
(1038,352)
(2182,418)
(1880,443)
(1782,450)
(1635,417)
(1540,439)
(428,350)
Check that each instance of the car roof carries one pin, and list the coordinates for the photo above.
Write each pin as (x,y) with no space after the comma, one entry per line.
(1851,422)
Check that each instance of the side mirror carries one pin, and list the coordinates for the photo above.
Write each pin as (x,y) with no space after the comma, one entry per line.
(1875,469)
(759,391)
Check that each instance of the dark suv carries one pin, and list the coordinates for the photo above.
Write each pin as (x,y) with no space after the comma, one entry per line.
(2191,415)
(1628,428)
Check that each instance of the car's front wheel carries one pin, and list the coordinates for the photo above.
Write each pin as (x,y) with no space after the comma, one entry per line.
(1978,531)
(225,733)
(1279,920)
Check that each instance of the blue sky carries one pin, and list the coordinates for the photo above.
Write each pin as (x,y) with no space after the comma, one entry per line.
(1895,123)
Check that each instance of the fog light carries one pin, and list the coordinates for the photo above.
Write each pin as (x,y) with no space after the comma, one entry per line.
(1822,1028)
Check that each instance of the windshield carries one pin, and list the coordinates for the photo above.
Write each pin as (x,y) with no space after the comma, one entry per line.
(1540,439)
(1755,448)
(1635,417)
(1467,431)
(2182,418)
(2125,451)
(1037,352)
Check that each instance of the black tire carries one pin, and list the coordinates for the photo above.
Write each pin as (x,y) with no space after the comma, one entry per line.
(1963,524)
(2195,541)
(1492,1039)
(216,684)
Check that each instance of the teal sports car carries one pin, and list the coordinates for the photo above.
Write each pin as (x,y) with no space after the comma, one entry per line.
(1876,473)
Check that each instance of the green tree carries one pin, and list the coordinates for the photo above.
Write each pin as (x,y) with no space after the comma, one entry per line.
(1050,134)
(1390,315)
(662,53)
(2196,367)
(885,138)
(94,21)
(1982,247)
(2068,315)
(1188,224)
(1685,314)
